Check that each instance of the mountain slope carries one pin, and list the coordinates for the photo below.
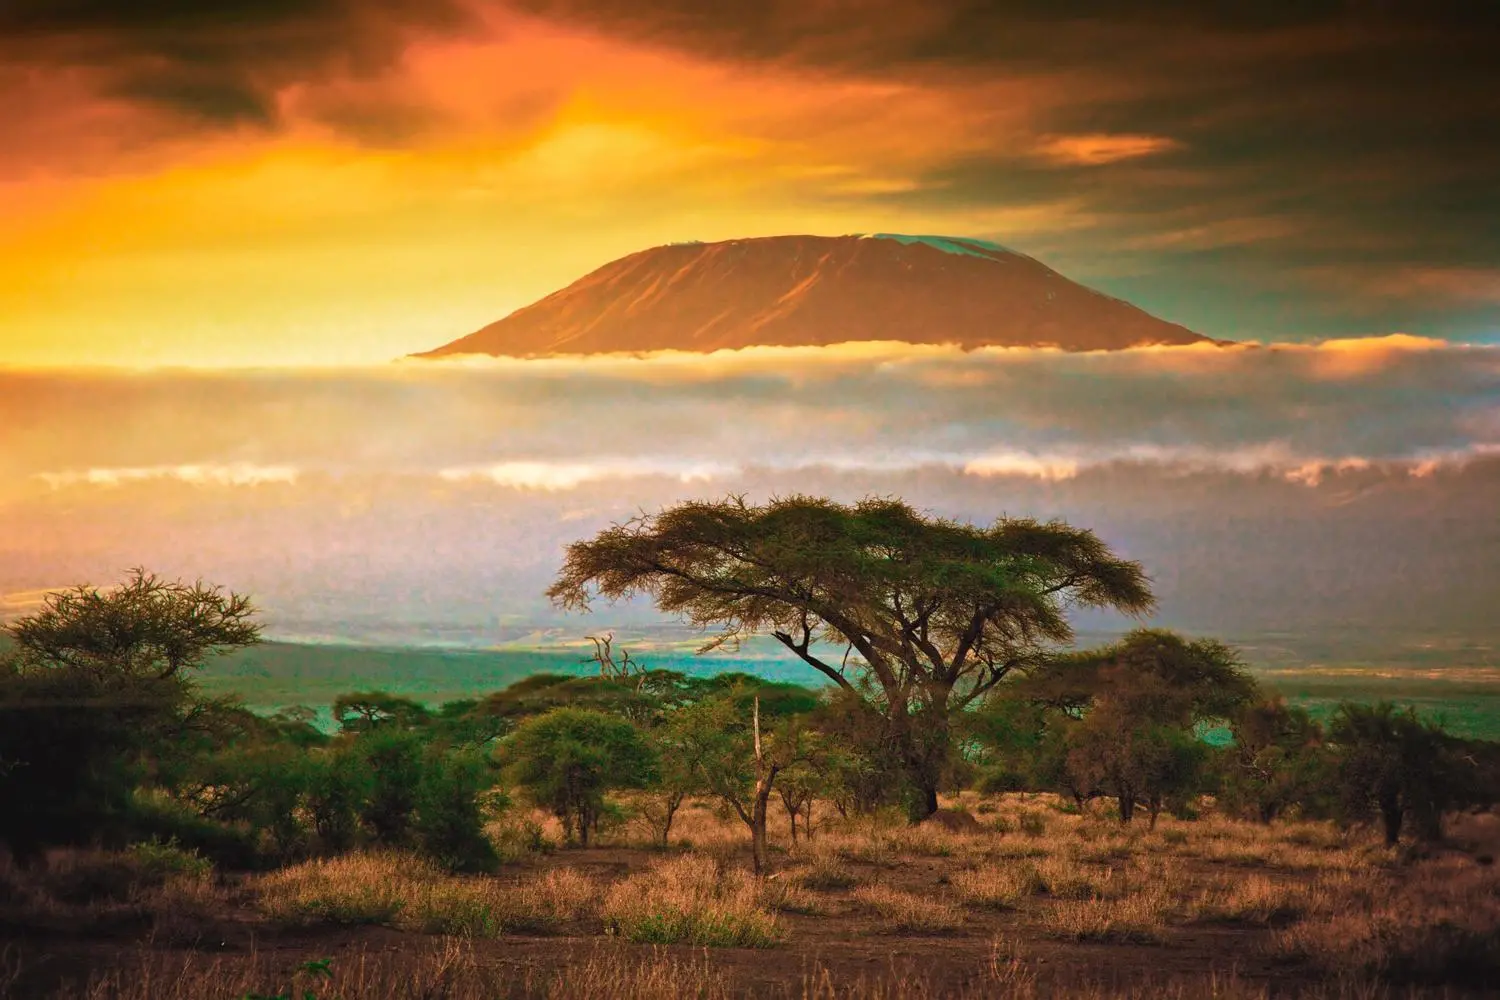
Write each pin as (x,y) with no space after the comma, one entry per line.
(815,290)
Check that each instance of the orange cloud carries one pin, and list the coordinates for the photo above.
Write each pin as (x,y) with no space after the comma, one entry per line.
(1097,149)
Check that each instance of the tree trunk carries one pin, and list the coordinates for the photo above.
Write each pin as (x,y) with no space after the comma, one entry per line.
(673,803)
(584,822)
(758,820)
(1127,807)
(929,800)
(1391,814)
(765,776)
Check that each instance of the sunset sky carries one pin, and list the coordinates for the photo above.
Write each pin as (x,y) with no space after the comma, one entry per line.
(220,224)
(283,182)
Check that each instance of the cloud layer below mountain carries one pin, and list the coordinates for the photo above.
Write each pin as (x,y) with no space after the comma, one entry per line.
(1294,410)
(1350,480)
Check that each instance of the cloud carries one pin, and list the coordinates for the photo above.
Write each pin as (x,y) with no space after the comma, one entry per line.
(553,476)
(1263,486)
(1099,149)
(1294,410)
(235,474)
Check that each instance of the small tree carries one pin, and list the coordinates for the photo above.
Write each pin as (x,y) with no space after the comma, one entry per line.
(737,761)
(96,692)
(338,785)
(363,711)
(1276,762)
(798,787)
(570,757)
(677,776)
(1142,702)
(1396,766)
(393,760)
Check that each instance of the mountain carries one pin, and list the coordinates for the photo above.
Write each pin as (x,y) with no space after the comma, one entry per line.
(789,291)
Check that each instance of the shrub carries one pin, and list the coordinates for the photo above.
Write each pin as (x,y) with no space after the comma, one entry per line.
(337,784)
(159,861)
(450,811)
(823,872)
(1136,919)
(393,759)
(353,889)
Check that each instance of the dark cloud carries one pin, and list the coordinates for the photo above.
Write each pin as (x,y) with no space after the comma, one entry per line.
(217,63)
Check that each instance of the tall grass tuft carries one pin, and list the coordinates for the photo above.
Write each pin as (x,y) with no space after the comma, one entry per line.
(691,900)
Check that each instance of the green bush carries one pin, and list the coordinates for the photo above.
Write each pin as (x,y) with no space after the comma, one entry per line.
(569,758)
(454,796)
(159,860)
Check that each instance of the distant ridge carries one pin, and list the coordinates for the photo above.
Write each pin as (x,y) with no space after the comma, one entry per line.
(792,291)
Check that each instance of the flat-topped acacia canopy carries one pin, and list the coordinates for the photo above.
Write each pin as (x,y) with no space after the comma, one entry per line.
(938,611)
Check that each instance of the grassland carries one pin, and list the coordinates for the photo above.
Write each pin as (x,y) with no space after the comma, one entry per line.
(1041,900)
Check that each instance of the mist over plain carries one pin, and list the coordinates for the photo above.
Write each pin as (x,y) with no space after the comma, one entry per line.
(1347,484)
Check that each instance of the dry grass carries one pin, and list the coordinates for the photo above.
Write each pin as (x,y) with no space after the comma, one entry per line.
(453,971)
(997,887)
(823,872)
(84,890)
(1325,903)
(786,895)
(406,893)
(1138,918)
(1437,924)
(907,912)
(691,899)
(1062,878)
(1257,900)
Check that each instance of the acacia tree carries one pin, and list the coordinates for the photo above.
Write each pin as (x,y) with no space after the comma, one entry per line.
(933,611)
(1142,702)
(96,693)
(721,738)
(1395,765)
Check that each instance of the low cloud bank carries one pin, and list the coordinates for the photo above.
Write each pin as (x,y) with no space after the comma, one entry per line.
(1295,410)
(1265,488)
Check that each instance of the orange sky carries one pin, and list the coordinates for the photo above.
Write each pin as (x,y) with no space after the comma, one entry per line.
(543,154)
(324,187)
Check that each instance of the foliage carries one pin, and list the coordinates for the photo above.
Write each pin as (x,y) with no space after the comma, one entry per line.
(364,711)
(938,612)
(337,786)
(1139,705)
(97,696)
(569,758)
(453,802)
(1395,766)
(1276,762)
(392,759)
